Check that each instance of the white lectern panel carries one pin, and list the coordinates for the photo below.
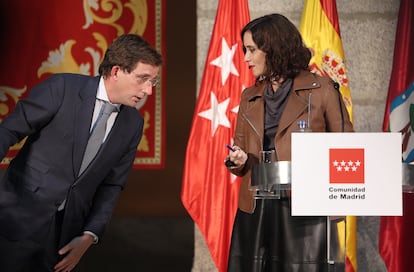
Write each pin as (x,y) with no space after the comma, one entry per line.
(346,174)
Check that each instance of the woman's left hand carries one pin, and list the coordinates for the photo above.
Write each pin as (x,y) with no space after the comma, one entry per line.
(238,156)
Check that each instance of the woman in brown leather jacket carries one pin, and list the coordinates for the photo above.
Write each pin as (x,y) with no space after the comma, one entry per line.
(265,236)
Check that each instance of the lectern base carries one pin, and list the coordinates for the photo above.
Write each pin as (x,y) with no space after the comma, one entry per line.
(270,191)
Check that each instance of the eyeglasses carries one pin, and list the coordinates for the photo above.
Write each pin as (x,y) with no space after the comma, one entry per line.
(144,78)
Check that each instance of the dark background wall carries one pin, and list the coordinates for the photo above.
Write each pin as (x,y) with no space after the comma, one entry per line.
(157,192)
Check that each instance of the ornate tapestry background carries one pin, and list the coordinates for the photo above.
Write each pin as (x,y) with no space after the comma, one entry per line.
(40,38)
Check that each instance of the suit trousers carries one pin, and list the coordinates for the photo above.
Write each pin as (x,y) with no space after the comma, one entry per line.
(39,254)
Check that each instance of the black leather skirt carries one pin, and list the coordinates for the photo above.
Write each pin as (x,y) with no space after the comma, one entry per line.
(271,240)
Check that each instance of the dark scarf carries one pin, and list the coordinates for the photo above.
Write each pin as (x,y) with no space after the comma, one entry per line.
(275,102)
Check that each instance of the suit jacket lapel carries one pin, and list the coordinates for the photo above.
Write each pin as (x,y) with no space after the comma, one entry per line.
(113,134)
(83,119)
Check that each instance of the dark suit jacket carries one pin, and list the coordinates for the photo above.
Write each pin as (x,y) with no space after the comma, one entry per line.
(56,117)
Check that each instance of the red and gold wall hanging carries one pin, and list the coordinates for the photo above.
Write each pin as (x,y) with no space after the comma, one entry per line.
(40,38)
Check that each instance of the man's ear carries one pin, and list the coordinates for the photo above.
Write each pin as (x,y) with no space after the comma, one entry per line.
(115,70)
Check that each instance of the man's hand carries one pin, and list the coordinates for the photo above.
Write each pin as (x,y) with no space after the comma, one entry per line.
(74,250)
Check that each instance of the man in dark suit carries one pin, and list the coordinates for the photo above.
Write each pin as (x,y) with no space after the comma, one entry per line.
(51,210)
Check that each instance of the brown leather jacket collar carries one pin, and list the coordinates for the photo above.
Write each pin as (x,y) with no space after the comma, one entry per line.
(312,98)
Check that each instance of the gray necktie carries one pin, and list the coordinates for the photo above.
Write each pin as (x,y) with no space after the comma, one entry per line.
(97,135)
(95,140)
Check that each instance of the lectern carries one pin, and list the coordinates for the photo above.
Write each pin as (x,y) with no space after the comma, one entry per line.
(269,178)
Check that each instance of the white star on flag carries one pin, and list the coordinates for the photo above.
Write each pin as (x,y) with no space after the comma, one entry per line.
(235,109)
(225,61)
(217,113)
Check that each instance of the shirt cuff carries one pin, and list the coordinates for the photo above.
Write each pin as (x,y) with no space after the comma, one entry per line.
(95,237)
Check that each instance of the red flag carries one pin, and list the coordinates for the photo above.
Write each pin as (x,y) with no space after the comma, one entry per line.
(396,234)
(209,192)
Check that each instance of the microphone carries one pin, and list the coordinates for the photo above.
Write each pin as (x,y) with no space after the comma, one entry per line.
(309,109)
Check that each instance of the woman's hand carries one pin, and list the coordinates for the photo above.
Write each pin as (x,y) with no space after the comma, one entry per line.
(238,157)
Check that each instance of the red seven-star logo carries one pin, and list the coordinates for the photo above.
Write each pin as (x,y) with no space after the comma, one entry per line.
(346,165)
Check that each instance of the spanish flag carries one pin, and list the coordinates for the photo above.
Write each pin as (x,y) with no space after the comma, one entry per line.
(320,32)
